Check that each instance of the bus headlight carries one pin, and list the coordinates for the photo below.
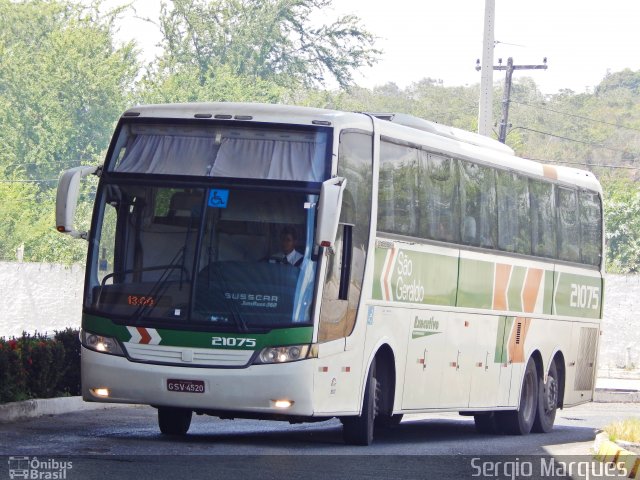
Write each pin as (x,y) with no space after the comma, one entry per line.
(101,344)
(290,353)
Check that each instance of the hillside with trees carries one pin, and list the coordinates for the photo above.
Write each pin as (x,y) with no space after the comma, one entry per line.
(64,81)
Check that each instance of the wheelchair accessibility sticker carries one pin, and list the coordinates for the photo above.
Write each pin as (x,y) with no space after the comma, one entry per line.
(218,198)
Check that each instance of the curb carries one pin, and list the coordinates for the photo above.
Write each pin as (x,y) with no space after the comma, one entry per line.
(14,411)
(610,395)
(609,452)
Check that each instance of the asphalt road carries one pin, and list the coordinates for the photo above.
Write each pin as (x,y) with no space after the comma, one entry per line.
(124,442)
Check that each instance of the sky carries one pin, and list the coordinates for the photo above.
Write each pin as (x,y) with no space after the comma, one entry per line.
(441,39)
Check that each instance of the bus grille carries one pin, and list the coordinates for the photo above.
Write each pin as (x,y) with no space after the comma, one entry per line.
(586,358)
(206,357)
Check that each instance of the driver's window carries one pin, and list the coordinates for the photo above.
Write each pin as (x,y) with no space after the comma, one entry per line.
(107,245)
(345,267)
(333,313)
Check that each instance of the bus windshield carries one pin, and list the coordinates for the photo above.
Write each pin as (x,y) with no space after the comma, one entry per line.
(233,258)
(293,154)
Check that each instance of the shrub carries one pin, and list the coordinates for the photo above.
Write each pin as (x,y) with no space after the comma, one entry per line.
(12,374)
(69,383)
(627,430)
(43,361)
(37,366)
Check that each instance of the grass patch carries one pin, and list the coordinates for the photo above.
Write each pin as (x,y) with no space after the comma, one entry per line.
(627,430)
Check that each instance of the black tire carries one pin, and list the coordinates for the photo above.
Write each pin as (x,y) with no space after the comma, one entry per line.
(520,422)
(174,421)
(388,421)
(486,423)
(548,397)
(359,430)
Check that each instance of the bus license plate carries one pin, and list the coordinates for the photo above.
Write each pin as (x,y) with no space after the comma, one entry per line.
(189,386)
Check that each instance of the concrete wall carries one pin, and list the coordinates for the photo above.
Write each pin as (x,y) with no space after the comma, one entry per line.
(44,297)
(620,340)
(39,296)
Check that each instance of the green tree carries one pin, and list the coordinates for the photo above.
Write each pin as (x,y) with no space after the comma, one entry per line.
(163,86)
(622,224)
(63,84)
(273,40)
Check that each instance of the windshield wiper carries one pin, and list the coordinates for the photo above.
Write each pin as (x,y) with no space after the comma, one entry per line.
(161,285)
(231,309)
(157,287)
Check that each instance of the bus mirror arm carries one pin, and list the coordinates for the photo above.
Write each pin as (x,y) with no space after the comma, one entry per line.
(67,199)
(329,209)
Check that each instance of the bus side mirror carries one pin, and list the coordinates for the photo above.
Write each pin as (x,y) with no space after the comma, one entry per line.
(67,199)
(329,211)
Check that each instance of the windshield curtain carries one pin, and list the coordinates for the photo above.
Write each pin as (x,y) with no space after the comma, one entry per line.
(208,256)
(221,152)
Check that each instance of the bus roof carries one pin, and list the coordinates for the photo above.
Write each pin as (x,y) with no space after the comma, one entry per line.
(442,137)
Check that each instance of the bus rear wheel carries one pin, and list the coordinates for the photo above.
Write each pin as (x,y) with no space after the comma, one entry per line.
(359,430)
(547,401)
(388,421)
(520,422)
(174,421)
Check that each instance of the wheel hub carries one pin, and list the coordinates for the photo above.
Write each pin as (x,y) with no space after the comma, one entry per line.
(551,396)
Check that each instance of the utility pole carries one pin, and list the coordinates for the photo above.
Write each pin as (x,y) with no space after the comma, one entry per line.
(485,120)
(506,95)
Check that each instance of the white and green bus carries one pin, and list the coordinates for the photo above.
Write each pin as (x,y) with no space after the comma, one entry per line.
(434,271)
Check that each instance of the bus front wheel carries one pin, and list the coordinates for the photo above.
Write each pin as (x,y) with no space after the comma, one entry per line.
(359,430)
(174,421)
(520,422)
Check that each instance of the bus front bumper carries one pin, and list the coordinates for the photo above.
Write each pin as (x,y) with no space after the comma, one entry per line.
(257,389)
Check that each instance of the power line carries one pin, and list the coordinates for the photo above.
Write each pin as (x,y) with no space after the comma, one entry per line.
(582,117)
(506,96)
(583,164)
(594,145)
(30,181)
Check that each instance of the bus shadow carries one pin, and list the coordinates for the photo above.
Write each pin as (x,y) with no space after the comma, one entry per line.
(451,436)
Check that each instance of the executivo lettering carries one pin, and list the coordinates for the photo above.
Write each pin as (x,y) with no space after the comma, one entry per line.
(430,324)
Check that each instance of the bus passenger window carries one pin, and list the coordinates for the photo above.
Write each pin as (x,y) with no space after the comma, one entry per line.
(398,197)
(478,205)
(514,228)
(543,226)
(568,227)
(441,215)
(590,228)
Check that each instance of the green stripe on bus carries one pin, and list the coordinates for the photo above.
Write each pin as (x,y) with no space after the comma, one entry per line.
(475,288)
(547,303)
(410,276)
(422,333)
(514,292)
(502,337)
(380,255)
(578,295)
(424,278)
(104,326)
(182,338)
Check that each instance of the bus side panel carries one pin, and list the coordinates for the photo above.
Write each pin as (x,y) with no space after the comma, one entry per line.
(337,378)
(388,325)
(426,358)
(578,294)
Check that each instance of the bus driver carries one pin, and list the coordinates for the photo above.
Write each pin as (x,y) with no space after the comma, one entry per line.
(289,255)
